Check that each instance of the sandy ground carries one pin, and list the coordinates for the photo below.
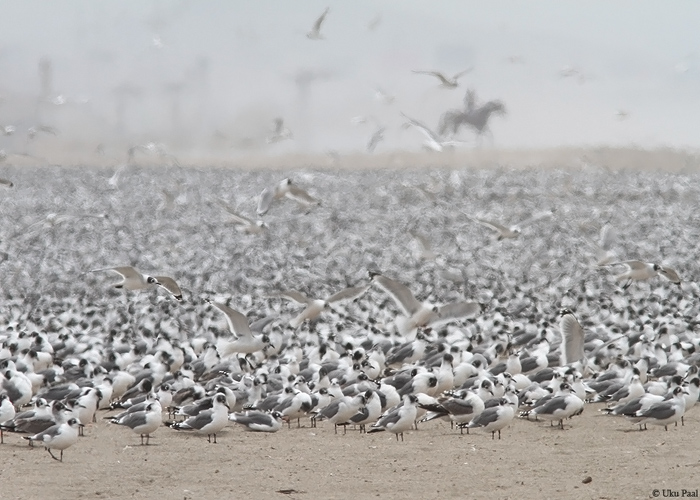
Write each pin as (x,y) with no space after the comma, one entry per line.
(615,158)
(532,460)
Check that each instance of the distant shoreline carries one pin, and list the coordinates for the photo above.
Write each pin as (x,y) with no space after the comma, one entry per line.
(613,158)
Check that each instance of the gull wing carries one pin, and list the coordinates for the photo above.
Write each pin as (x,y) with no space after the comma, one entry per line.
(436,74)
(670,274)
(572,336)
(457,310)
(348,294)
(608,237)
(462,73)
(319,21)
(423,128)
(633,265)
(492,225)
(237,218)
(400,293)
(170,285)
(536,217)
(299,195)
(237,322)
(127,272)
(295,296)
(265,202)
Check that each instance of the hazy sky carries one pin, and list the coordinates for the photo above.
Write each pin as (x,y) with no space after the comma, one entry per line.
(198,75)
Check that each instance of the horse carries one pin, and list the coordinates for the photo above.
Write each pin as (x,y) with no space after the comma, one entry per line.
(476,117)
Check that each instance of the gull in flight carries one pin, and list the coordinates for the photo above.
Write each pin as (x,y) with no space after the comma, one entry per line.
(514,230)
(243,224)
(641,271)
(6,182)
(382,96)
(135,280)
(417,314)
(448,83)
(314,307)
(433,142)
(280,133)
(315,33)
(245,342)
(376,138)
(284,189)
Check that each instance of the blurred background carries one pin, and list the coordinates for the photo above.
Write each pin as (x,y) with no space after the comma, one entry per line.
(191,79)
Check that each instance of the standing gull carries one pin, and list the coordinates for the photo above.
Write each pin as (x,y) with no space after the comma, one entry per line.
(494,419)
(144,422)
(399,419)
(565,405)
(207,422)
(58,437)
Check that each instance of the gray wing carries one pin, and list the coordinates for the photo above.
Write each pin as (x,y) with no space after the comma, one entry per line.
(462,73)
(660,411)
(330,410)
(492,225)
(361,415)
(436,74)
(400,293)
(237,322)
(259,325)
(608,237)
(426,131)
(348,294)
(169,285)
(536,217)
(252,418)
(554,404)
(295,296)
(458,406)
(319,21)
(299,195)
(199,421)
(457,310)
(51,432)
(486,417)
(572,339)
(390,418)
(132,420)
(265,202)
(670,274)
(127,272)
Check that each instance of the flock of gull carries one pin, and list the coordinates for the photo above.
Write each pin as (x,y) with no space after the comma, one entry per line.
(358,301)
